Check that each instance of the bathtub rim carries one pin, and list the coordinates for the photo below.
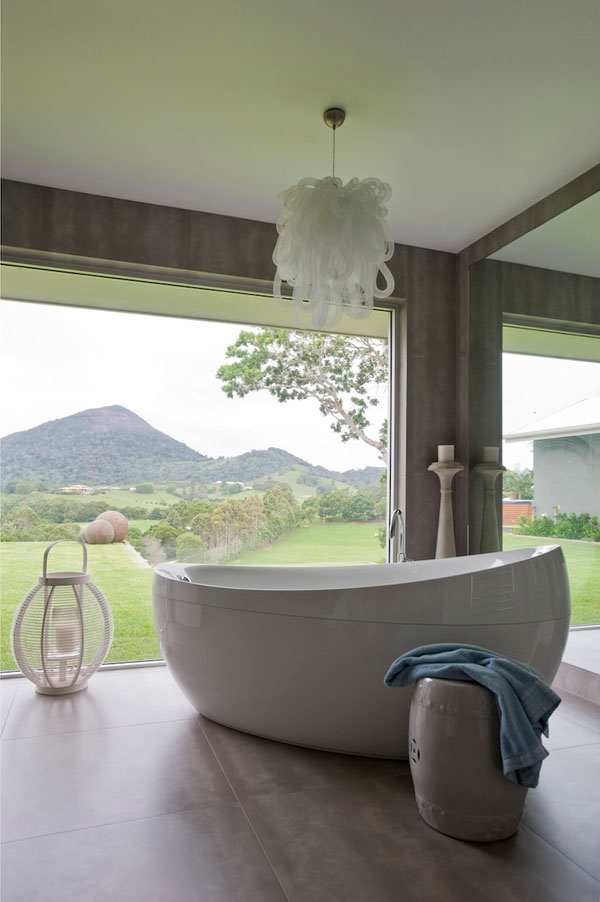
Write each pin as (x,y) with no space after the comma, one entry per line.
(435,600)
(430,570)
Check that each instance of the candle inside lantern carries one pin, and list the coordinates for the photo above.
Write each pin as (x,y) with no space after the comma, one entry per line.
(445,453)
(491,454)
(65,638)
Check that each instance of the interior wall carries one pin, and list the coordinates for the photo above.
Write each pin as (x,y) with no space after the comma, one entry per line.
(72,225)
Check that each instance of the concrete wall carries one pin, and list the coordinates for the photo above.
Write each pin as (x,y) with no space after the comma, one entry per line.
(567,474)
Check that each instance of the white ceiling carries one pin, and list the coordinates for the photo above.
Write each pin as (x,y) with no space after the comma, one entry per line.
(471,110)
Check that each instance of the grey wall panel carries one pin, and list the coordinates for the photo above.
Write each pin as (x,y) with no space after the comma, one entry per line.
(430,388)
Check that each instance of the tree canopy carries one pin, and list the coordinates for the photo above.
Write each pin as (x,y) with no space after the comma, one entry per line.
(519,481)
(340,373)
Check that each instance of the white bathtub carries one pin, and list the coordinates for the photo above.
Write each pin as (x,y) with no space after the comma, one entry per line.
(299,654)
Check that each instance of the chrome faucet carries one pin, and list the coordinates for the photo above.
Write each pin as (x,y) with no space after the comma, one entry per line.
(395,520)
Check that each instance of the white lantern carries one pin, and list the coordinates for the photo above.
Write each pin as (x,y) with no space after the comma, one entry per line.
(62,630)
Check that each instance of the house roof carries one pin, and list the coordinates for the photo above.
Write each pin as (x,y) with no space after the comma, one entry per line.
(581,418)
(216,105)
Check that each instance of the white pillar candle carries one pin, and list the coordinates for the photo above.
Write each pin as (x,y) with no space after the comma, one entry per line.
(445,453)
(491,454)
(66,638)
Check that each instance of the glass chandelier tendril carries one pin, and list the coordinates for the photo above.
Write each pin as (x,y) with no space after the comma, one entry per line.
(333,243)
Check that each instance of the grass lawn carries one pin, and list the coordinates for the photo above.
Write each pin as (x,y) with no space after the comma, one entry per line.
(143,525)
(125,582)
(323,543)
(583,564)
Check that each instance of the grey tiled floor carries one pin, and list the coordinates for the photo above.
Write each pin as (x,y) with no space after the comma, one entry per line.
(120,793)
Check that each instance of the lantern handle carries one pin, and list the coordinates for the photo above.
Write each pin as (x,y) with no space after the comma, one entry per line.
(58,541)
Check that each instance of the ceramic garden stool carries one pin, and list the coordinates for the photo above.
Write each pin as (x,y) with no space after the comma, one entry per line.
(454,751)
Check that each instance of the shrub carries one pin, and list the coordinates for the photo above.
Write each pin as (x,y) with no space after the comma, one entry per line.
(563,526)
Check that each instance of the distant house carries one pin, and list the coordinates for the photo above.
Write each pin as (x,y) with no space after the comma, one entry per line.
(566,459)
(80,489)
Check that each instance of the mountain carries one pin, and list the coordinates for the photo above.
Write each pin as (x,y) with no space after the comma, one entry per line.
(360,479)
(253,465)
(94,447)
(114,446)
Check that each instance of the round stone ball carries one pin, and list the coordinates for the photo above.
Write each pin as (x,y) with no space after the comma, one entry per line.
(119,523)
(100,532)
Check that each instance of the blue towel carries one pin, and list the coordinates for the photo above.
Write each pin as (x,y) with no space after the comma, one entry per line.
(525,702)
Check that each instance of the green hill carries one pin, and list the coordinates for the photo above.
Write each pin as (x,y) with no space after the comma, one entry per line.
(94,447)
(114,446)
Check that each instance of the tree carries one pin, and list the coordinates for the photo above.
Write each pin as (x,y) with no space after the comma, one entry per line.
(519,481)
(254,510)
(153,550)
(340,373)
(167,536)
(190,547)
(310,509)
(360,506)
(331,505)
(144,488)
(24,518)
(281,510)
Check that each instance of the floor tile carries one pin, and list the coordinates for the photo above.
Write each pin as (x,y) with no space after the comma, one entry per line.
(8,689)
(583,649)
(255,765)
(580,710)
(366,841)
(206,855)
(74,780)
(113,698)
(565,733)
(565,808)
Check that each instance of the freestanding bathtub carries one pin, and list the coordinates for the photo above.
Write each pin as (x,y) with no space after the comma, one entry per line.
(299,654)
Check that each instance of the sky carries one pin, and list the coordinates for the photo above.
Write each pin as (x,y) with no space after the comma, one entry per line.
(534,387)
(61,360)
(56,361)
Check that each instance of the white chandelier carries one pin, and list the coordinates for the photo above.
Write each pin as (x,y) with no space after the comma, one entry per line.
(333,243)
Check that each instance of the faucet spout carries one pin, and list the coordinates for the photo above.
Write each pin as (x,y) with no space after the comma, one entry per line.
(396,524)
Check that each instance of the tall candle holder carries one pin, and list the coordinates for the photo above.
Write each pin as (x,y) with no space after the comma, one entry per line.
(489,470)
(446,469)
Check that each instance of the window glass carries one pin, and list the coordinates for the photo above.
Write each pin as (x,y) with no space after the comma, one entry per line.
(218,442)
(551,413)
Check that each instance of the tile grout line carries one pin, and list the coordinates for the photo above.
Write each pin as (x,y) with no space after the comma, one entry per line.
(245,813)
(560,852)
(127,820)
(96,729)
(569,748)
(12,701)
(579,724)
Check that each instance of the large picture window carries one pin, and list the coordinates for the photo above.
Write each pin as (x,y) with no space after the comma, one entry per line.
(217,441)
(552,454)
